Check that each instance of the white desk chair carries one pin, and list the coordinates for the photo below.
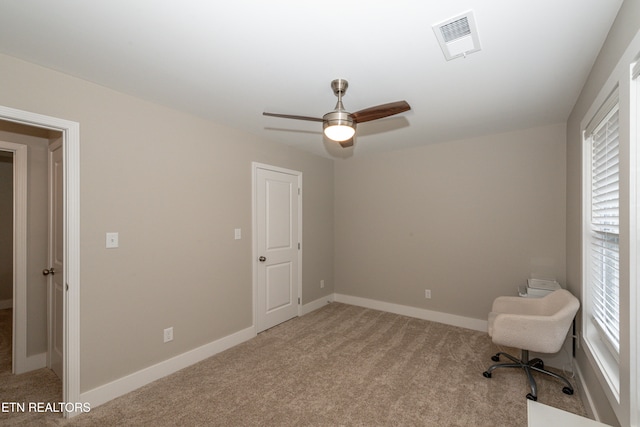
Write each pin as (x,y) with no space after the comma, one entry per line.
(532,324)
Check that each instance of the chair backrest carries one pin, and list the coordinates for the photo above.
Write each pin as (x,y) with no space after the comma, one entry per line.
(560,303)
(562,307)
(544,327)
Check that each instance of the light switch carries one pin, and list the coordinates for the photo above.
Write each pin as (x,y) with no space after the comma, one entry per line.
(112,240)
(238,233)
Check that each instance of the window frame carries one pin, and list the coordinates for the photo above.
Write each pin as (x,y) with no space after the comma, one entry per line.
(634,240)
(603,351)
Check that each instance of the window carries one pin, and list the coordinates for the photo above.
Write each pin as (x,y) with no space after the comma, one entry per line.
(611,237)
(604,226)
(601,244)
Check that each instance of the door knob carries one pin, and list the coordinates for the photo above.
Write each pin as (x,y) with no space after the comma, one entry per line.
(262,259)
(48,271)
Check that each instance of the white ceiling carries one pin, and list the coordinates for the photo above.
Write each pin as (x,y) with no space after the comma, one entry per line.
(230,61)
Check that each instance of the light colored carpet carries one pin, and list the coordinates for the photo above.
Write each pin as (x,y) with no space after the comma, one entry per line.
(41,385)
(339,366)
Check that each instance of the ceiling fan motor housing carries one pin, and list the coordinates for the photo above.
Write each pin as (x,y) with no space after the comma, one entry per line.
(339,118)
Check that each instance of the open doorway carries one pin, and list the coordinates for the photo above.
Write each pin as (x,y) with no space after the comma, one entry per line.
(6,230)
(6,260)
(70,139)
(25,294)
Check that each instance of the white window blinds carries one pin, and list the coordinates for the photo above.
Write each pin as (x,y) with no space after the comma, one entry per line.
(604,245)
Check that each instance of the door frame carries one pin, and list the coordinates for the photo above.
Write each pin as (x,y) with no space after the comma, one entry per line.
(51,251)
(254,235)
(71,213)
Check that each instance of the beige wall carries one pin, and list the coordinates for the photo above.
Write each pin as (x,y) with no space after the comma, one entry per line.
(36,141)
(469,220)
(174,186)
(625,27)
(6,228)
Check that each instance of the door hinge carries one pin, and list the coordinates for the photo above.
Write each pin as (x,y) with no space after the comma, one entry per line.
(298,245)
(298,300)
(298,191)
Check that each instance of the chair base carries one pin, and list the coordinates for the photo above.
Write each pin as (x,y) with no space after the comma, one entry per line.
(536,365)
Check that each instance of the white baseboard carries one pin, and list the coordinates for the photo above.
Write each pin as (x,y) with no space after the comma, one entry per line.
(585,394)
(121,386)
(314,305)
(6,303)
(419,313)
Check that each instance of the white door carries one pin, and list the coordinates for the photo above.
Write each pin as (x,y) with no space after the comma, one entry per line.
(55,280)
(278,238)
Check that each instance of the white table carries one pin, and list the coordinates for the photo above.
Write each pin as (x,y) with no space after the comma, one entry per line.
(540,415)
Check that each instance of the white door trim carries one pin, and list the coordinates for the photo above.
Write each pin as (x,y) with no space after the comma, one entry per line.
(19,340)
(71,329)
(254,235)
(55,287)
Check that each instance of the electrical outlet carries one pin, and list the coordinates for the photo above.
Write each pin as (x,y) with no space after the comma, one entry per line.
(168,334)
(322,284)
(427,293)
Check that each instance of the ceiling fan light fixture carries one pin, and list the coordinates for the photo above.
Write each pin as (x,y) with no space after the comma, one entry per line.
(338,126)
(339,133)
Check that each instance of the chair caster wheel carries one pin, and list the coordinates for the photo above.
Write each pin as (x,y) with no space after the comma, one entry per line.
(567,390)
(488,374)
(532,397)
(495,358)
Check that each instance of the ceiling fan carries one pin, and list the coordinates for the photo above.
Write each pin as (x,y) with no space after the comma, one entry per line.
(340,125)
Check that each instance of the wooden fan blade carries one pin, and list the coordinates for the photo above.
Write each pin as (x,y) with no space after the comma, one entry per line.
(380,111)
(346,144)
(289,116)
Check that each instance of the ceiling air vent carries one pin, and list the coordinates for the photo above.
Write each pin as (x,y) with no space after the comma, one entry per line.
(458,36)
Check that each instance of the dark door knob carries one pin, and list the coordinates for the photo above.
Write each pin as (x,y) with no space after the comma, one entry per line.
(48,271)
(262,259)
